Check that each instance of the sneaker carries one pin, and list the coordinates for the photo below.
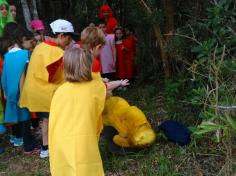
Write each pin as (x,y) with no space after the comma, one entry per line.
(18,142)
(32,152)
(12,139)
(43,154)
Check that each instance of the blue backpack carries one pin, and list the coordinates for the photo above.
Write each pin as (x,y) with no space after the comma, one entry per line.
(175,132)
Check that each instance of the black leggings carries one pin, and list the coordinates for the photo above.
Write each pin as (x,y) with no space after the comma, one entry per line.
(35,122)
(22,129)
(16,131)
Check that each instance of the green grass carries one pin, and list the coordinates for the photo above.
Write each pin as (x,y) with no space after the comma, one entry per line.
(161,159)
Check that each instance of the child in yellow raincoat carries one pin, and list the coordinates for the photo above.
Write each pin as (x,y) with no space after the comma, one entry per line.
(45,75)
(75,119)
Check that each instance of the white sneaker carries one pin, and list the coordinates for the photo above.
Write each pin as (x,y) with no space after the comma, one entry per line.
(43,154)
(17,142)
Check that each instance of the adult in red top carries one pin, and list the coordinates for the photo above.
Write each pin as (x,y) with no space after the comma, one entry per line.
(106,13)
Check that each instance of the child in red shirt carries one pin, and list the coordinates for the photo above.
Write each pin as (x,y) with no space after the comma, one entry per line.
(129,43)
(120,64)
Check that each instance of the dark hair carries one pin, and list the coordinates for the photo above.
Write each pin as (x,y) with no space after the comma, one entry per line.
(11,2)
(116,29)
(129,27)
(16,33)
(5,43)
(9,29)
(77,65)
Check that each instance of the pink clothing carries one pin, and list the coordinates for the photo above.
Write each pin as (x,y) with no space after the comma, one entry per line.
(37,25)
(107,55)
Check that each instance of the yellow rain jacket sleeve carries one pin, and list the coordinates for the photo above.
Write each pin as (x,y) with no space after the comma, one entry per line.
(37,90)
(74,127)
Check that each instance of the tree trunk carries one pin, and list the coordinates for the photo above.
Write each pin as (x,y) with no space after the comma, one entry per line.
(35,11)
(26,13)
(164,55)
(39,7)
(169,25)
(169,14)
(161,42)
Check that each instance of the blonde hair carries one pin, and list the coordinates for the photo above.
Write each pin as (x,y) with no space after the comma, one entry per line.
(91,37)
(77,65)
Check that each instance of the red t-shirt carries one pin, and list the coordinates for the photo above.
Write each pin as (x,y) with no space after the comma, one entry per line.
(130,44)
(96,65)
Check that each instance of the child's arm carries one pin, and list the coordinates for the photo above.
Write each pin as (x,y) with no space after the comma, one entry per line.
(105,80)
(115,84)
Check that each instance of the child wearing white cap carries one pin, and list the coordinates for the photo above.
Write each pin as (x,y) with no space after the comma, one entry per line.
(45,74)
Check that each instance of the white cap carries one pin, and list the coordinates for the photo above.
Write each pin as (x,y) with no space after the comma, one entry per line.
(61,26)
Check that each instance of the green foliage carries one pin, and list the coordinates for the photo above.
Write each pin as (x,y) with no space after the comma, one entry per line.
(206,49)
(178,96)
(215,65)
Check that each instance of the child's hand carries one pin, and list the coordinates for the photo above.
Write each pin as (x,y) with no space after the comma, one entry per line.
(105,80)
(124,82)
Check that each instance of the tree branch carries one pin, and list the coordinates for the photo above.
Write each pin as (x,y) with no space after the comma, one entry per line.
(146,7)
(184,36)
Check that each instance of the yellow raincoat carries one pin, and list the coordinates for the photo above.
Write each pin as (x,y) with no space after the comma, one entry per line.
(75,124)
(130,122)
(37,91)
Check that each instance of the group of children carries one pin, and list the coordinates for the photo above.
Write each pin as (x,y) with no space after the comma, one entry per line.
(64,83)
(117,56)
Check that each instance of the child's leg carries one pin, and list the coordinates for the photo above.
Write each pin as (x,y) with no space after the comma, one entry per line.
(45,131)
(16,131)
(30,143)
(16,137)
(35,123)
(44,150)
(44,116)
